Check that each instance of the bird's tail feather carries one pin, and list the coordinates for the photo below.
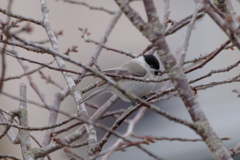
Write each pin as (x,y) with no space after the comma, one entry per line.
(93,94)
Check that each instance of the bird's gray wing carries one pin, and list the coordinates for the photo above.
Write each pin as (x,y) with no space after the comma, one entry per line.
(135,69)
(129,69)
(116,71)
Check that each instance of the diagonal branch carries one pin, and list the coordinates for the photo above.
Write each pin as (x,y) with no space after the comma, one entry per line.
(226,21)
(61,95)
(71,84)
(155,34)
(21,18)
(89,6)
(24,135)
(188,34)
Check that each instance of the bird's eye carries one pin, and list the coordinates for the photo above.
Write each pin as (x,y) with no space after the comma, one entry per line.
(151,66)
(156,73)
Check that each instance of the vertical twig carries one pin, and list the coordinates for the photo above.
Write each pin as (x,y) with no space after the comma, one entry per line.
(39,93)
(226,22)
(188,34)
(35,87)
(11,135)
(5,27)
(60,96)
(3,67)
(167,13)
(127,134)
(71,84)
(24,135)
(103,39)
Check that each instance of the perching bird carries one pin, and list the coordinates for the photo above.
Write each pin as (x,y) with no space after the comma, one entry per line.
(146,66)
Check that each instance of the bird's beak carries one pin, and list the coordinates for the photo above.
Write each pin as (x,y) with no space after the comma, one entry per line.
(159,72)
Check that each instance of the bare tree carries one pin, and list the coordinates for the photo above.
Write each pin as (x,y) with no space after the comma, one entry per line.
(84,124)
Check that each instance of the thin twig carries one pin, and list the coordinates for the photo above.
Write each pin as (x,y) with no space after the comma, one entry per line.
(6,31)
(57,34)
(29,72)
(49,79)
(86,38)
(67,150)
(180,24)
(57,140)
(167,12)
(45,150)
(209,58)
(127,134)
(188,34)
(8,156)
(153,138)
(38,128)
(11,135)
(20,17)
(89,6)
(67,128)
(42,64)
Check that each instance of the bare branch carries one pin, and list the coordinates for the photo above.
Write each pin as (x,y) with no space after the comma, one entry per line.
(127,134)
(49,80)
(11,135)
(24,135)
(8,156)
(212,84)
(89,6)
(153,138)
(29,72)
(79,132)
(38,128)
(57,140)
(76,94)
(188,34)
(216,71)
(209,58)
(6,32)
(131,109)
(227,24)
(85,36)
(236,150)
(67,128)
(67,150)
(57,34)
(221,11)
(42,64)
(21,18)
(104,38)
(22,46)
(176,75)
(167,12)
(178,25)
(60,96)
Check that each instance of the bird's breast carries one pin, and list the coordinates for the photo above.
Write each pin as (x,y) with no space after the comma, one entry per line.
(140,89)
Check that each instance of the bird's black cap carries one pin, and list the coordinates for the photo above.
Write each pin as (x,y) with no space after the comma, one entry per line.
(152,61)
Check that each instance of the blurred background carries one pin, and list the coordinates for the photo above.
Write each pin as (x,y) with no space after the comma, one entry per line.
(220,104)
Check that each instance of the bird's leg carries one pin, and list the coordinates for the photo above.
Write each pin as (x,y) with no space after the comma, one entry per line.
(144,97)
(133,103)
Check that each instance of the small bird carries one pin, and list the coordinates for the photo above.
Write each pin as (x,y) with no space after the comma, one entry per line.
(146,66)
